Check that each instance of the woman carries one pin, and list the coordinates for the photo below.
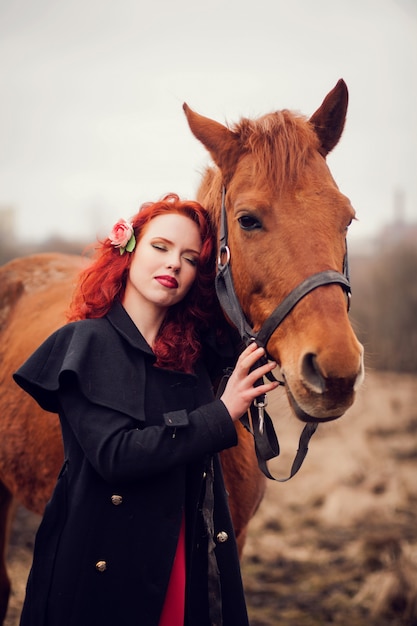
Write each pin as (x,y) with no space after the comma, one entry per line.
(138,530)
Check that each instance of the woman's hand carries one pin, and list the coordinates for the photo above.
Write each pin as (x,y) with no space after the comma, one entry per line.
(240,392)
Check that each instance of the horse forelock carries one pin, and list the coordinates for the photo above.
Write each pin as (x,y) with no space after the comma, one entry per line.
(280,144)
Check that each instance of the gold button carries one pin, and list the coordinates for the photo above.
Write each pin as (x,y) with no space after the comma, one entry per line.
(116,500)
(222,536)
(101,566)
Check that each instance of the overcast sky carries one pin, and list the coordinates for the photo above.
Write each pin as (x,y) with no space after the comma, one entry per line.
(91,120)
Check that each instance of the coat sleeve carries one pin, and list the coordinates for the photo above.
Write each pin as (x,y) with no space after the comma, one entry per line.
(120,452)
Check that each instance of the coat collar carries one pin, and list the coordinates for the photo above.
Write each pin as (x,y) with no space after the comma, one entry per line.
(124,325)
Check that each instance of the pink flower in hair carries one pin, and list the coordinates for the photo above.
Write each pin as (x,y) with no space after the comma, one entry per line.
(122,236)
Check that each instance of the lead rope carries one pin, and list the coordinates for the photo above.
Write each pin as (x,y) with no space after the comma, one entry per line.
(260,426)
(262,429)
(266,441)
(214,587)
(265,438)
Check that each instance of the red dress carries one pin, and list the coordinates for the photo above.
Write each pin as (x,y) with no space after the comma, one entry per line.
(174,604)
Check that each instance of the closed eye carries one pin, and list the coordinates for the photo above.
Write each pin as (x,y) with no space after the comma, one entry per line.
(248,222)
(191,260)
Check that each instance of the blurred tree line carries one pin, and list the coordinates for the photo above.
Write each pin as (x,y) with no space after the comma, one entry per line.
(384,307)
(10,249)
(384,300)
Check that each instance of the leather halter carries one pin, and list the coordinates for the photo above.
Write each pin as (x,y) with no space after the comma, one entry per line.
(266,442)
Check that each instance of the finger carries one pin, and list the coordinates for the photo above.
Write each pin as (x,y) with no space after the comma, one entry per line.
(250,348)
(266,387)
(250,355)
(263,388)
(261,371)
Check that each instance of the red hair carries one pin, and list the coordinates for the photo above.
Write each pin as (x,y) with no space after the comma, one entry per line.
(177,345)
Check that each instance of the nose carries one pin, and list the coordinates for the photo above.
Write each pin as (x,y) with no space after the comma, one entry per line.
(319,383)
(174,262)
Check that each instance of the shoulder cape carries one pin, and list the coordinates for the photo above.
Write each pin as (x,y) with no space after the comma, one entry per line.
(106,355)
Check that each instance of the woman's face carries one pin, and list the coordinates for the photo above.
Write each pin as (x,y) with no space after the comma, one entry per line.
(164,264)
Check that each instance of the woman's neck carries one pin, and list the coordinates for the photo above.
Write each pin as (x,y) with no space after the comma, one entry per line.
(147,318)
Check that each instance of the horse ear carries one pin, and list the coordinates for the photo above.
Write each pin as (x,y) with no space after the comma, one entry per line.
(222,143)
(329,119)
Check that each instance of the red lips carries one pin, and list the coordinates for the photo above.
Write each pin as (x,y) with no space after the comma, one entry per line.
(167,281)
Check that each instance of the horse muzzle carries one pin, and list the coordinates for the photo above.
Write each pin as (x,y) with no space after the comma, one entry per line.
(315,397)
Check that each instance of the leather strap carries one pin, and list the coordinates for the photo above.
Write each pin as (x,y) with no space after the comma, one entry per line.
(214,588)
(267,446)
(327,277)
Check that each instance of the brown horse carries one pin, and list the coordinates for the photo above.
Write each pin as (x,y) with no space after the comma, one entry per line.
(287,220)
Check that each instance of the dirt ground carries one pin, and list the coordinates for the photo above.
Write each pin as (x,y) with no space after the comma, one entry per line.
(337,544)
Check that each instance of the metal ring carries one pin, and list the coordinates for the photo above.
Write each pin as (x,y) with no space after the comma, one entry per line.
(348,300)
(223,250)
(261,403)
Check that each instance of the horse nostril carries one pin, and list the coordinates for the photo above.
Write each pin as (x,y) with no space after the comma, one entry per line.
(312,376)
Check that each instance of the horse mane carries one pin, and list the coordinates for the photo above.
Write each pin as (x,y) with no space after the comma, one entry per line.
(280,144)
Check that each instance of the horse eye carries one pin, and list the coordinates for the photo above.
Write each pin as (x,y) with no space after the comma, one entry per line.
(248,222)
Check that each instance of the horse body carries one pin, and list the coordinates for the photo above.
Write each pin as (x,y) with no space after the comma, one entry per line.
(34,294)
(287,220)
(40,288)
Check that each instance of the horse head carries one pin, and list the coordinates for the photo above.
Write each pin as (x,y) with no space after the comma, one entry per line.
(287,220)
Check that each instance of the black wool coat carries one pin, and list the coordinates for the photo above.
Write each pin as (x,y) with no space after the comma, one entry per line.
(138,443)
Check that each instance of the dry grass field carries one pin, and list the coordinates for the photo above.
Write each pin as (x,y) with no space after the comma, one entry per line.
(338,543)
